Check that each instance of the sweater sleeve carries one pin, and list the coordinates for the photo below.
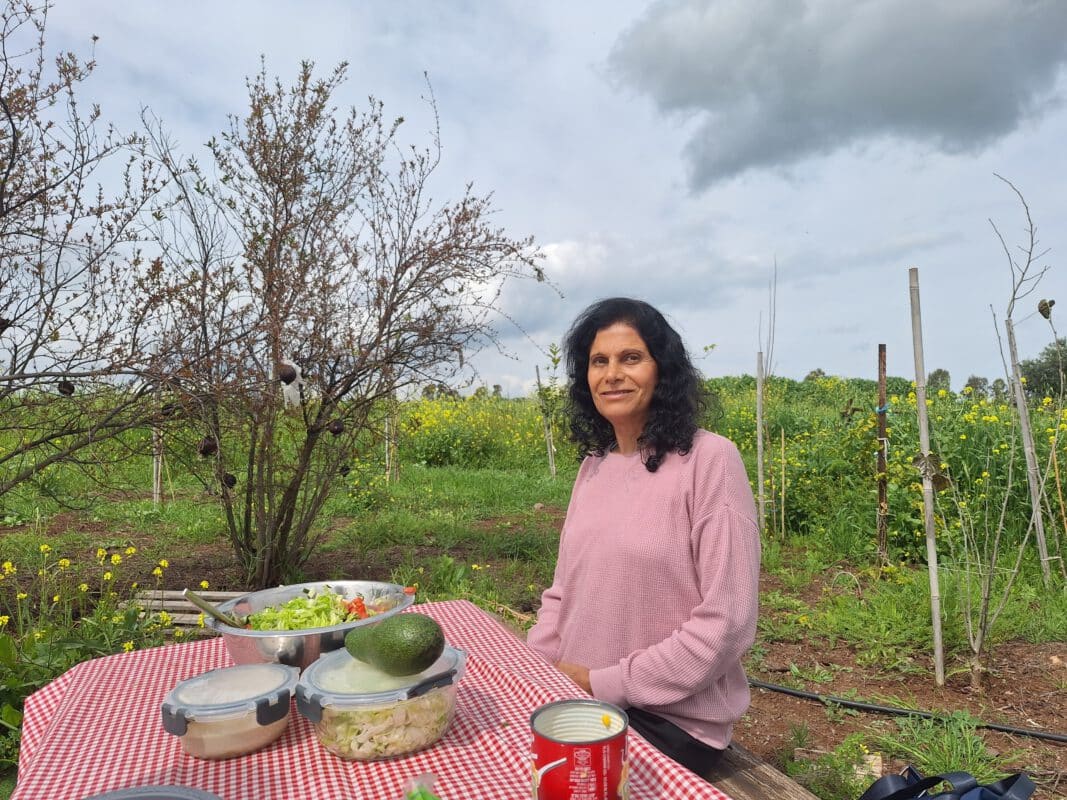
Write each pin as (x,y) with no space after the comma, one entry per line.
(544,635)
(718,632)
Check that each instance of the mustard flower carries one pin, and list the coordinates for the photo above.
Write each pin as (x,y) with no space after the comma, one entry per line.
(200,621)
(968,390)
(157,572)
(21,596)
(83,587)
(9,568)
(127,647)
(203,584)
(55,598)
(942,393)
(164,618)
(45,548)
(116,559)
(4,619)
(108,576)
(101,553)
(64,563)
(164,563)
(131,550)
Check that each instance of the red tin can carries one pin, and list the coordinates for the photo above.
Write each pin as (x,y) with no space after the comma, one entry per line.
(579,751)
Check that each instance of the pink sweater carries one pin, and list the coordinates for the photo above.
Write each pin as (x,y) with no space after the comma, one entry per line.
(656,585)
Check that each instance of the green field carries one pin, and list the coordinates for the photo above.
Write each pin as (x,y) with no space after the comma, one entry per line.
(475,513)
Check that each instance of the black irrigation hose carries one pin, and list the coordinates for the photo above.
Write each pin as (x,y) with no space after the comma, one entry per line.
(906,712)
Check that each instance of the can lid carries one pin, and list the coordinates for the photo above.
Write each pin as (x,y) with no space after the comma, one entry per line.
(580,720)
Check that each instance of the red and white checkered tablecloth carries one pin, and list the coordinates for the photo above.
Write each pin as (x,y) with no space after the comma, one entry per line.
(98,728)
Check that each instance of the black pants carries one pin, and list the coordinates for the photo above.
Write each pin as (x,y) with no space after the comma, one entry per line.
(671,740)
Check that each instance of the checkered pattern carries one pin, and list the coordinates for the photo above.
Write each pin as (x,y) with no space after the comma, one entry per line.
(98,728)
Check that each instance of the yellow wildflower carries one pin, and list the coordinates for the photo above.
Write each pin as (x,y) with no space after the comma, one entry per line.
(9,568)
(164,563)
(164,618)
(4,619)
(55,598)
(116,559)
(157,572)
(21,596)
(45,548)
(178,633)
(101,553)
(200,621)
(203,584)
(127,647)
(108,576)
(83,587)
(131,550)
(64,563)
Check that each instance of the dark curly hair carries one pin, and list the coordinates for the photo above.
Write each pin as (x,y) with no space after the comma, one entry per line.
(677,400)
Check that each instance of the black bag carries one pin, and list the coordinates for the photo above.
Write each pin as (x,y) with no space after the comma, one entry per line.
(911,785)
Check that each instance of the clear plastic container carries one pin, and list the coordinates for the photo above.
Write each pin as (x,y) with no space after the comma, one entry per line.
(231,711)
(363,714)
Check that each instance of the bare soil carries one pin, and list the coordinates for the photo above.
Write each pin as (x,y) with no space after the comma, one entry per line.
(1025,688)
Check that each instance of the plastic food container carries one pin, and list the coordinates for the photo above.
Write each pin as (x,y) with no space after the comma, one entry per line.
(360,713)
(155,793)
(231,711)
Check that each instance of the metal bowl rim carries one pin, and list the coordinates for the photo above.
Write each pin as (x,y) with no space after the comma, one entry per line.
(406,600)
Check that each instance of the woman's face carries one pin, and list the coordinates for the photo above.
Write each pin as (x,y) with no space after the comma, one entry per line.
(622,376)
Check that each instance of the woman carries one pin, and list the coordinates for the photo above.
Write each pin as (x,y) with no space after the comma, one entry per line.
(653,603)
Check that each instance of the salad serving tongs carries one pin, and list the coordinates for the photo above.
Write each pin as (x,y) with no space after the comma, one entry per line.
(207,608)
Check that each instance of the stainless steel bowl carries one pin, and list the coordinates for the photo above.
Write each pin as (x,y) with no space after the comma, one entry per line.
(300,648)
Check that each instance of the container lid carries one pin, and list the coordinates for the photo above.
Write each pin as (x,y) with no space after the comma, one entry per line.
(337,679)
(264,689)
(155,793)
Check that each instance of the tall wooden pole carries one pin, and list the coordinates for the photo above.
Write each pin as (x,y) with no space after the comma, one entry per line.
(759,441)
(1033,476)
(883,452)
(928,487)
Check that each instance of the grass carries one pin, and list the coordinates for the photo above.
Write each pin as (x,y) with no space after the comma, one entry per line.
(490,535)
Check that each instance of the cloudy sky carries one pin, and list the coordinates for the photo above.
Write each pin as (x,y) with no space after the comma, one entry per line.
(678,150)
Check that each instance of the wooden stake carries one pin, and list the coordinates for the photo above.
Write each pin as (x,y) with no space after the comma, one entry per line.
(928,488)
(781,505)
(1033,477)
(883,454)
(759,441)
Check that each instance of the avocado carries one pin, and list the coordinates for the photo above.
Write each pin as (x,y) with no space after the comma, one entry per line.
(402,645)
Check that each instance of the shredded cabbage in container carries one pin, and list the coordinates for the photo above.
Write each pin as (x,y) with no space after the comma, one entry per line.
(380,731)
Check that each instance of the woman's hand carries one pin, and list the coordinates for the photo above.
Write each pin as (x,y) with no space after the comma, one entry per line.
(577,673)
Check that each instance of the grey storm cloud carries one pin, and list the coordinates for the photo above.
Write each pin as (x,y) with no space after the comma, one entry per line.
(772,82)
